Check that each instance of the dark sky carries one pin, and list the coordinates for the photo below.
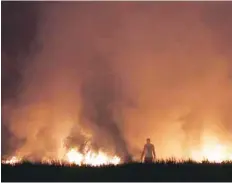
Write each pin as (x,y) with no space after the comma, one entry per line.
(173,58)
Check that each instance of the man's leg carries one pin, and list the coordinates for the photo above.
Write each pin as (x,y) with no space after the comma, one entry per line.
(148,160)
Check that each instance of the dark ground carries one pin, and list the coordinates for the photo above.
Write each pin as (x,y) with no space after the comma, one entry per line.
(130,172)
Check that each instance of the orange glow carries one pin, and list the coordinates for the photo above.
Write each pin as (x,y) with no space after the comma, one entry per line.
(72,156)
(13,160)
(91,158)
(212,150)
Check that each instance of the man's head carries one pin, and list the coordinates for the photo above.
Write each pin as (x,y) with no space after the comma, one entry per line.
(148,140)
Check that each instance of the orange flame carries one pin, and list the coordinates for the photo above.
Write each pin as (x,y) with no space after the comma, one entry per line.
(212,150)
(73,156)
(91,158)
(13,160)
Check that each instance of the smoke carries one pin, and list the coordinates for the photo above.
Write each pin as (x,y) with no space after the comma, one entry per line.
(119,72)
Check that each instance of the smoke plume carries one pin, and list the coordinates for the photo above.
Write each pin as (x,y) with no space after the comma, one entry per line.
(119,72)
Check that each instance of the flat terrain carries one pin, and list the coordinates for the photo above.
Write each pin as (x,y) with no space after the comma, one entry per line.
(169,171)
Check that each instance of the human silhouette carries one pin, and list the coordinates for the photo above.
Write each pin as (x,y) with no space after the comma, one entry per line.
(148,154)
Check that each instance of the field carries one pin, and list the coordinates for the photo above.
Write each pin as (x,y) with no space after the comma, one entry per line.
(161,171)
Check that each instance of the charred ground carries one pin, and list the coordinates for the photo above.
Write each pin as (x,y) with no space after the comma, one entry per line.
(161,171)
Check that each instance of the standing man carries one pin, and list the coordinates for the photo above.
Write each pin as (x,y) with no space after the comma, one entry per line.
(148,154)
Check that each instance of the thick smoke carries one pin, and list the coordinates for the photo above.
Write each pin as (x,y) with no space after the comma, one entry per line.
(101,97)
(119,72)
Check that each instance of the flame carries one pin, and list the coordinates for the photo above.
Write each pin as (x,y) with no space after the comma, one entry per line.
(73,156)
(13,160)
(91,158)
(217,154)
(213,150)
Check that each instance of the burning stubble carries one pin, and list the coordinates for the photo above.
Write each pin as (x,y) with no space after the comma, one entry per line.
(119,72)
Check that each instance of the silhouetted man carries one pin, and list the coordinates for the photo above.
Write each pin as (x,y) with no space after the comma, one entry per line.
(148,152)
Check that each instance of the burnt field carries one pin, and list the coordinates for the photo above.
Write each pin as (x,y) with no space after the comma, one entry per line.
(168,171)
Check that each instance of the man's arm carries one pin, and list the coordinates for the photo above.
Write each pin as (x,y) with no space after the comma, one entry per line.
(153,151)
(142,153)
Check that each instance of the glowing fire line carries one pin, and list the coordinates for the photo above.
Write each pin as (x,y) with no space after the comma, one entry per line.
(74,157)
(13,160)
(210,150)
(91,158)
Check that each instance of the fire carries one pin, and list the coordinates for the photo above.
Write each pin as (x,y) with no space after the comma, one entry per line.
(213,150)
(216,153)
(91,158)
(73,156)
(13,160)
(210,149)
